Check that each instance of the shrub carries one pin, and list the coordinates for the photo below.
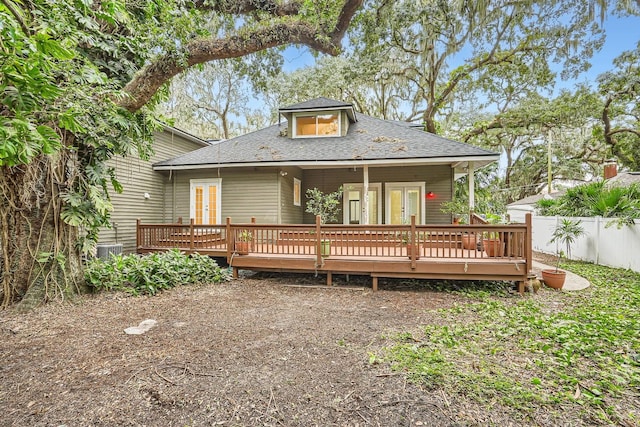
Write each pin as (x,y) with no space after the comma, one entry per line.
(622,204)
(149,274)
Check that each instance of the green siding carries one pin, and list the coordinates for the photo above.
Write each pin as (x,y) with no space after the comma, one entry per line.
(137,178)
(246,193)
(290,214)
(438,179)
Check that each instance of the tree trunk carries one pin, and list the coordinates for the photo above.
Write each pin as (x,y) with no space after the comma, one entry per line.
(39,258)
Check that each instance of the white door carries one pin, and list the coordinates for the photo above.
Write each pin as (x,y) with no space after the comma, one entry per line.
(404,200)
(353,200)
(205,201)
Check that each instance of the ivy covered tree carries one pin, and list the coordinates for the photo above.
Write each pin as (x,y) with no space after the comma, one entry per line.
(79,80)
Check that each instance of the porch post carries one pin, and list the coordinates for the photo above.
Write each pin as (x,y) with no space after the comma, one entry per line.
(365,196)
(472,188)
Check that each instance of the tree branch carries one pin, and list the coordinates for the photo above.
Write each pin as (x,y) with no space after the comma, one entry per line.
(146,82)
(16,14)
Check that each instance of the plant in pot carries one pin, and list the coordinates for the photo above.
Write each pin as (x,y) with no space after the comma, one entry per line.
(327,207)
(405,240)
(565,234)
(492,241)
(459,211)
(243,242)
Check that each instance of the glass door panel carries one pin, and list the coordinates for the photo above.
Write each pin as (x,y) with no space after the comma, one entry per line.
(412,204)
(396,206)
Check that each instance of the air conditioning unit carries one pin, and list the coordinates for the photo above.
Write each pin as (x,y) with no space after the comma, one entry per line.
(105,250)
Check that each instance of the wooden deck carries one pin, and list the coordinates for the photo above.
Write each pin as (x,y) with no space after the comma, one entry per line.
(442,251)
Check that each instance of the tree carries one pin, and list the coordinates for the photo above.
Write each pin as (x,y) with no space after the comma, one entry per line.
(523,132)
(79,81)
(620,118)
(211,101)
(348,77)
(499,44)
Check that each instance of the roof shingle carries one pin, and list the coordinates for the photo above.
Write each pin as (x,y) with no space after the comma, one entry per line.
(367,139)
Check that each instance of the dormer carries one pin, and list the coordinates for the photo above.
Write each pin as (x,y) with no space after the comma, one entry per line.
(318,118)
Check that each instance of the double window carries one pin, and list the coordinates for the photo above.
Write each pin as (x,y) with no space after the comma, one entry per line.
(316,124)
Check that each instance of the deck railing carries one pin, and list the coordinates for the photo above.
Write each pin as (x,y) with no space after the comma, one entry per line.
(473,241)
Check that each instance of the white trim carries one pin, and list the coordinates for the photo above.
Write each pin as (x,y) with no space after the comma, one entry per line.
(299,201)
(472,189)
(359,186)
(390,185)
(192,202)
(480,161)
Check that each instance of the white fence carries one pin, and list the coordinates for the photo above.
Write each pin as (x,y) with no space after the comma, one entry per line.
(612,246)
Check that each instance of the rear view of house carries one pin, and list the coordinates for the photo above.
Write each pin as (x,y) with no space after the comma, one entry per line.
(389,170)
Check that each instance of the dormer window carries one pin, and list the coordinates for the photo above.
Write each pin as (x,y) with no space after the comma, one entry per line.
(316,124)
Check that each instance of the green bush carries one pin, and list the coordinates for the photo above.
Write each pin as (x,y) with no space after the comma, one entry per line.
(596,199)
(149,274)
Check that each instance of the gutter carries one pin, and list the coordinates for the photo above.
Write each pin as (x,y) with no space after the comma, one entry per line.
(480,161)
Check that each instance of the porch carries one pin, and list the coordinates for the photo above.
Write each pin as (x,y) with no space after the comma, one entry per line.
(456,252)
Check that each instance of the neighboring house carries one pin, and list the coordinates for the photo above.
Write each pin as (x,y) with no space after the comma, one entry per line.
(518,210)
(143,193)
(389,170)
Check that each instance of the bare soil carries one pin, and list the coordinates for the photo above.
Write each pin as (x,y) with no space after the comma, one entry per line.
(263,350)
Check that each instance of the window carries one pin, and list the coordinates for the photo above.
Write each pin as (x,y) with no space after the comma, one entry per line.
(297,188)
(316,125)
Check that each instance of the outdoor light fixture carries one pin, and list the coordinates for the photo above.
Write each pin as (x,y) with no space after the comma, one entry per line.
(430,195)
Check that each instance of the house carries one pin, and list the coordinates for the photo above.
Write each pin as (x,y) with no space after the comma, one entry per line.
(518,209)
(143,193)
(389,170)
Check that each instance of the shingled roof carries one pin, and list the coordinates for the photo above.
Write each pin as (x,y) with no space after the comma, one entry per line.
(369,140)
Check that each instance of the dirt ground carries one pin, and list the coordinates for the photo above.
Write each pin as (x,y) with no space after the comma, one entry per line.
(257,351)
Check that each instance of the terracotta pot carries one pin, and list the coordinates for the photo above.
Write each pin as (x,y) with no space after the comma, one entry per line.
(493,247)
(554,279)
(469,241)
(242,248)
(412,249)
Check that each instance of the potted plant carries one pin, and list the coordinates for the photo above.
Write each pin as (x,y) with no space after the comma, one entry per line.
(458,210)
(492,241)
(405,240)
(564,234)
(327,207)
(243,242)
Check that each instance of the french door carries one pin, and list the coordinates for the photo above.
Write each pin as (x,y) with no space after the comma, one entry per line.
(205,201)
(353,204)
(404,199)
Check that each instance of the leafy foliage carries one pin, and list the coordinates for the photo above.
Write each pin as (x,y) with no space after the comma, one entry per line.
(566,234)
(327,205)
(79,82)
(596,199)
(150,274)
(527,354)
